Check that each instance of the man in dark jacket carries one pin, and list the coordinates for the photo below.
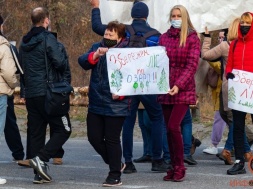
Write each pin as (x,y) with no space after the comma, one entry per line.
(139,14)
(36,46)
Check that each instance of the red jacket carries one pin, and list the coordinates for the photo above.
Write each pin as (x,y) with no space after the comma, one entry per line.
(241,57)
(183,66)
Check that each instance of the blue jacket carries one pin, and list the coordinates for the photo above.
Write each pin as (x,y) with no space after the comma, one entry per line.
(139,25)
(100,97)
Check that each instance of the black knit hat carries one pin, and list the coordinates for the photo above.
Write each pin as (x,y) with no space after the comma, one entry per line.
(139,10)
(1,20)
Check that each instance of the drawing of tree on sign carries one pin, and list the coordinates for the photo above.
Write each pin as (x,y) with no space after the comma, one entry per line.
(163,84)
(147,85)
(116,79)
(231,94)
(135,86)
(141,86)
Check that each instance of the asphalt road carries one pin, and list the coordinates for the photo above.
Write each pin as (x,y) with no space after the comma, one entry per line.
(84,169)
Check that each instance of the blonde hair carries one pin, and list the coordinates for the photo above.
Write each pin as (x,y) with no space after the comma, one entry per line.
(246,17)
(186,23)
(233,29)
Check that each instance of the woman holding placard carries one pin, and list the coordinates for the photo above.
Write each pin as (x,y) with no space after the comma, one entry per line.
(183,49)
(241,58)
(106,111)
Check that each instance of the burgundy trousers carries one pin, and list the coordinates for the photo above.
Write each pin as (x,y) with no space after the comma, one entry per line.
(173,116)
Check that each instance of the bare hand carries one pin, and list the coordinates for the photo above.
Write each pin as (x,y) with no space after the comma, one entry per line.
(174,90)
(206,30)
(22,100)
(115,97)
(94,3)
(100,52)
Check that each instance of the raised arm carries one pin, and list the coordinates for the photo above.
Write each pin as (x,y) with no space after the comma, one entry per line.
(96,22)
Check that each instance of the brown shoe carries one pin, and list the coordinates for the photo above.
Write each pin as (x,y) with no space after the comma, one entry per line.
(195,143)
(57,161)
(24,163)
(248,156)
(226,156)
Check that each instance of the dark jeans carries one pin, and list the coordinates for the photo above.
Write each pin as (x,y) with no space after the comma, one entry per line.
(11,132)
(104,135)
(173,115)
(239,132)
(145,125)
(186,129)
(154,111)
(37,123)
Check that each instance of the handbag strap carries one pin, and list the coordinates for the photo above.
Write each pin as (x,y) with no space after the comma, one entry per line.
(46,60)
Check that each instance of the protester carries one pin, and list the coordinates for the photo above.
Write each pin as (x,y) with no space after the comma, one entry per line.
(8,80)
(221,51)
(218,123)
(183,49)
(139,13)
(106,111)
(11,130)
(38,47)
(240,57)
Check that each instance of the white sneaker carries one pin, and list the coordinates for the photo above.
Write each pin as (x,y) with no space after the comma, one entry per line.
(2,181)
(211,150)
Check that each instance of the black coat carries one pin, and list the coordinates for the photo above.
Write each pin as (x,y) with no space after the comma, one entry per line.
(32,60)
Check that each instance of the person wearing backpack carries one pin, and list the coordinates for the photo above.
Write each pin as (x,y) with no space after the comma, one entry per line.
(139,14)
(8,81)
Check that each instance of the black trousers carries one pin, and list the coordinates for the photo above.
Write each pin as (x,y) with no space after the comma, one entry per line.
(104,135)
(60,129)
(11,132)
(239,129)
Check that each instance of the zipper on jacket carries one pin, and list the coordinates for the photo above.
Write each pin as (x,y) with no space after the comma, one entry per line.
(243,53)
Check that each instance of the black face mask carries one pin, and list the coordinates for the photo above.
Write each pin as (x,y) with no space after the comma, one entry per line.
(244,29)
(109,43)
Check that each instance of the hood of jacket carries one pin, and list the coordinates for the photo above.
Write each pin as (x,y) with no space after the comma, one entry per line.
(4,41)
(249,35)
(34,37)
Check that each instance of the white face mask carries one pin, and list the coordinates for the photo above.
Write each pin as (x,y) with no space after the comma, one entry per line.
(176,23)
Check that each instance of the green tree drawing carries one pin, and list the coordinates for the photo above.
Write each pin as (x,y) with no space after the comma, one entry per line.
(141,86)
(147,85)
(135,86)
(116,79)
(163,84)
(231,94)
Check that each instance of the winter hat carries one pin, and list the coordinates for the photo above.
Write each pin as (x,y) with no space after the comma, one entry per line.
(1,20)
(139,10)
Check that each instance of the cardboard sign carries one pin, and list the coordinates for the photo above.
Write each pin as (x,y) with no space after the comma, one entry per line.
(240,91)
(135,71)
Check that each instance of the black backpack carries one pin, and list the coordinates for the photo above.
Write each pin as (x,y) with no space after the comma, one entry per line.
(138,40)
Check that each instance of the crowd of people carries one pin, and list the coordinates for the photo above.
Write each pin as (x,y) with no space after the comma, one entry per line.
(165,120)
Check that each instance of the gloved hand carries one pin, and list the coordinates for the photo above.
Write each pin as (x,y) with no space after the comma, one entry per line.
(230,75)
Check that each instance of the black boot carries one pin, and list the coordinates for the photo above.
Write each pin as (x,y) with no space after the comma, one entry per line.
(238,168)
(130,168)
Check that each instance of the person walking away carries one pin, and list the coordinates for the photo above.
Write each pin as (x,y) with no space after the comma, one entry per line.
(38,48)
(8,82)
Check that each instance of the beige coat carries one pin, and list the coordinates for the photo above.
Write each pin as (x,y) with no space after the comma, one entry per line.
(220,50)
(8,80)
